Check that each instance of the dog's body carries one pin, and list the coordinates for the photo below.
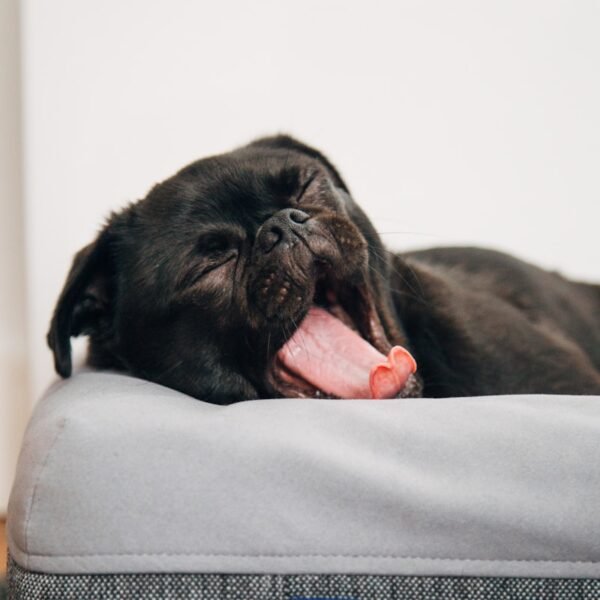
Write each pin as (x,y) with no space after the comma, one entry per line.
(218,281)
(481,322)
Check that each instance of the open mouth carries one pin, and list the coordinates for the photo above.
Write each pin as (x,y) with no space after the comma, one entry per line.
(340,350)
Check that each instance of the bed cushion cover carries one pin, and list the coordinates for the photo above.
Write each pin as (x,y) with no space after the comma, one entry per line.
(121,476)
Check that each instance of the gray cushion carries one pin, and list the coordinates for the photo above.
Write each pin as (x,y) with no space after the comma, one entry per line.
(121,475)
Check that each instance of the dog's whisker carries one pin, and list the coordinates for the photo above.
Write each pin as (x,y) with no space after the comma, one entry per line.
(171,368)
(298,331)
(395,270)
(418,233)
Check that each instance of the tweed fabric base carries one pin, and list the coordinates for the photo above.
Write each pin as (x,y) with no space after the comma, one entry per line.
(27,585)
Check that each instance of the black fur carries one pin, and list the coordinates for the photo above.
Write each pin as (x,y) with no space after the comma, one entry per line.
(186,288)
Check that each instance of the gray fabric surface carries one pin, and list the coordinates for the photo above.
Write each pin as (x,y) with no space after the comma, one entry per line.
(25,585)
(121,475)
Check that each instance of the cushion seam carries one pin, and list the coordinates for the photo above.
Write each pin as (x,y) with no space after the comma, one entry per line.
(34,495)
(316,555)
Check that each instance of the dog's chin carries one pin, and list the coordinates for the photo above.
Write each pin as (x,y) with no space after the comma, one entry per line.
(333,340)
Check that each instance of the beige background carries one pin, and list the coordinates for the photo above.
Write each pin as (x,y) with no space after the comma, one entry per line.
(453,122)
(14,401)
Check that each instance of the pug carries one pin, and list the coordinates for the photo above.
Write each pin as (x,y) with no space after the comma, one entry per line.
(255,274)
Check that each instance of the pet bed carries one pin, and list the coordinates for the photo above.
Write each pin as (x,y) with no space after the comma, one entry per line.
(125,488)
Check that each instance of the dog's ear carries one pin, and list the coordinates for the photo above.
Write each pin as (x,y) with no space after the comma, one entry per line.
(286,142)
(84,304)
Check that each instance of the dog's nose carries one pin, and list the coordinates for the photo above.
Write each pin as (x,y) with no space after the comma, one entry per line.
(281,228)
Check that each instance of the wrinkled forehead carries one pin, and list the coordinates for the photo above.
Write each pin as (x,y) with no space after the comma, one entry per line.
(244,188)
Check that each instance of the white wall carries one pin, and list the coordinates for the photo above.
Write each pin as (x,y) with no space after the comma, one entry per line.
(13,357)
(453,122)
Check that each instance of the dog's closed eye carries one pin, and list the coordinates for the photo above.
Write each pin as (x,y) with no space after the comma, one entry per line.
(212,251)
(306,185)
(214,244)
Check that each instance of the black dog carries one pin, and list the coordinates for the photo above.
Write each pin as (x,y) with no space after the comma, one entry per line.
(254,275)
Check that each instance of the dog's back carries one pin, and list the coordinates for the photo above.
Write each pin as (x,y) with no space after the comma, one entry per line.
(484,306)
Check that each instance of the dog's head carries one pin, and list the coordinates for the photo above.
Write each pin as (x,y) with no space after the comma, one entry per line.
(247,275)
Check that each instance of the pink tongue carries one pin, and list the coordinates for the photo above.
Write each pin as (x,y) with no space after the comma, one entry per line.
(335,359)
